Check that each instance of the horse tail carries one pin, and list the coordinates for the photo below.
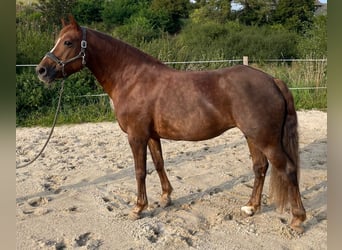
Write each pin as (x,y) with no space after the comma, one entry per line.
(278,186)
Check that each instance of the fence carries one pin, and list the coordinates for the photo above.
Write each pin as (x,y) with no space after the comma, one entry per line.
(245,61)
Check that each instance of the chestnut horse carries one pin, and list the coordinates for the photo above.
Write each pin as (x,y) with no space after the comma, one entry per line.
(153,101)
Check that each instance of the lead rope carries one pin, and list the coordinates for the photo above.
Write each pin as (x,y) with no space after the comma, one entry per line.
(53,126)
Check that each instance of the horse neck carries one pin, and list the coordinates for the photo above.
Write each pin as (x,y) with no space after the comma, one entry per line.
(112,61)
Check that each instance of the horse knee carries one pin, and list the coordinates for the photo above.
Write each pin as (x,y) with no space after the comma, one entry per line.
(159,165)
(140,174)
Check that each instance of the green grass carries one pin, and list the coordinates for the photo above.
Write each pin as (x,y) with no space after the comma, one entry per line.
(302,75)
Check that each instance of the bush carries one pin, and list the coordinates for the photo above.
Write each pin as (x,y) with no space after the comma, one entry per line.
(31,96)
(117,12)
(32,43)
(53,10)
(36,103)
(88,11)
(314,41)
(234,41)
(137,30)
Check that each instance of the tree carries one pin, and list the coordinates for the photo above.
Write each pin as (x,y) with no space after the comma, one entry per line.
(54,10)
(212,10)
(136,31)
(255,12)
(173,11)
(119,11)
(314,41)
(88,11)
(296,15)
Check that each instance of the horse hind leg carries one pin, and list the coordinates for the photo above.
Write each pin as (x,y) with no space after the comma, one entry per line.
(260,166)
(157,157)
(284,186)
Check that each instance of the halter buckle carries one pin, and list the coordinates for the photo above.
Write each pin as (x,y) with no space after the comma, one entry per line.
(83,44)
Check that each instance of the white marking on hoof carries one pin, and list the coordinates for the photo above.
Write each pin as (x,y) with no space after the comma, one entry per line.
(134,215)
(249,210)
(165,201)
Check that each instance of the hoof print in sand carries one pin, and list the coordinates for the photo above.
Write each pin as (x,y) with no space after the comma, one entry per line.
(72,209)
(36,206)
(87,240)
(53,183)
(37,202)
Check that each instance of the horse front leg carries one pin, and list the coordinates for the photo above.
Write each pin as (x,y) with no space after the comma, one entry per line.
(156,152)
(139,148)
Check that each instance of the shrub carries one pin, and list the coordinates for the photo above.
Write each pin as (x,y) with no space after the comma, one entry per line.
(36,103)
(32,44)
(137,30)
(314,41)
(119,11)
(234,41)
(88,11)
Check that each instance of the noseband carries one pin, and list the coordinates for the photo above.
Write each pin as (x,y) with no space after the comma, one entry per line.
(80,55)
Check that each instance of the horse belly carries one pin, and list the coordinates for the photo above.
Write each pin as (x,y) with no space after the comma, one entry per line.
(198,124)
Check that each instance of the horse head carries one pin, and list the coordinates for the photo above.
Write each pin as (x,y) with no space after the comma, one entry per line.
(68,54)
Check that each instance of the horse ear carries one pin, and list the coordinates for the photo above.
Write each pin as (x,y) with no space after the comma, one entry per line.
(63,22)
(73,21)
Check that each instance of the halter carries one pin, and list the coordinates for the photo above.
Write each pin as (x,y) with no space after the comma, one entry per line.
(80,55)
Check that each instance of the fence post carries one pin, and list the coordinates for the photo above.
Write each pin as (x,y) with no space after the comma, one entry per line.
(245,60)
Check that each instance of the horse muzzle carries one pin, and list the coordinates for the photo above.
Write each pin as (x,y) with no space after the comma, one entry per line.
(46,74)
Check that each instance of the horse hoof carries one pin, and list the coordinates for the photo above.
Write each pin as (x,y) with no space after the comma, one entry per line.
(134,215)
(164,202)
(248,210)
(298,229)
(297,226)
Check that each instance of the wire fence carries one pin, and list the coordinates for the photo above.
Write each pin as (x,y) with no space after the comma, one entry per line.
(245,60)
(220,61)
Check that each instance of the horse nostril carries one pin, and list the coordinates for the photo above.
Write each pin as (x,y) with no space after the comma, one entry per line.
(41,71)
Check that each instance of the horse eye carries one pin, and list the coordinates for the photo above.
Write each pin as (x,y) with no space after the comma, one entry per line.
(68,43)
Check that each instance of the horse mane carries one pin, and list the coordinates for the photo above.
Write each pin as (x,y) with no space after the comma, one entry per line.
(126,49)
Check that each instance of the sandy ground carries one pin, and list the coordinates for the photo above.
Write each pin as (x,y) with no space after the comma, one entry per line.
(79,193)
